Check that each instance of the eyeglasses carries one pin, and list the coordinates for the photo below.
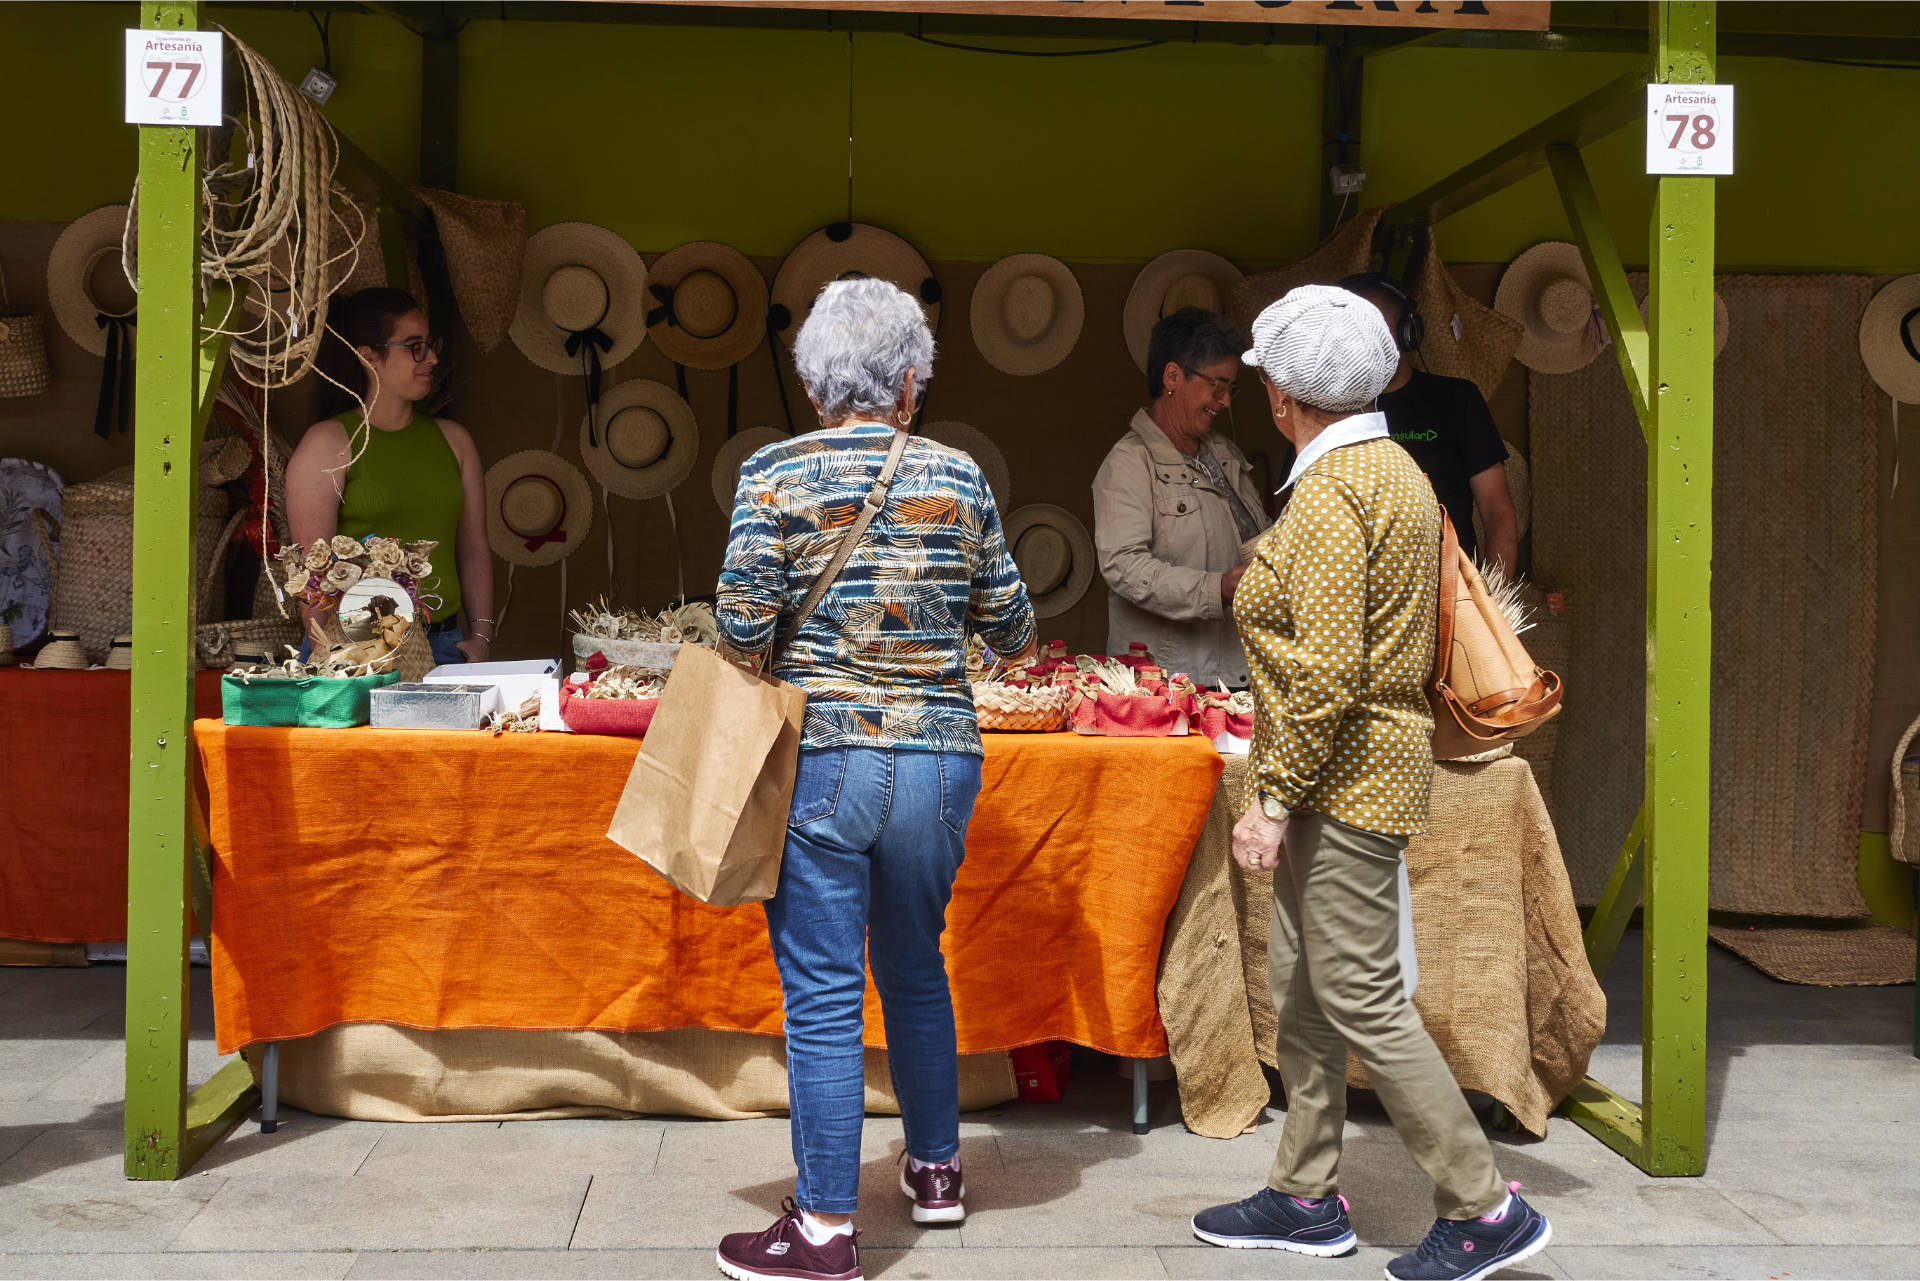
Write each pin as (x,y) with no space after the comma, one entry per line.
(1222,388)
(420,348)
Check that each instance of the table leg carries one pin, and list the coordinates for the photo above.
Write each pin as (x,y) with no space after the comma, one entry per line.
(270,1089)
(1139,1096)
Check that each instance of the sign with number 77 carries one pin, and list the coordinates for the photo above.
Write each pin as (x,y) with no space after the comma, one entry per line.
(173,77)
(1689,129)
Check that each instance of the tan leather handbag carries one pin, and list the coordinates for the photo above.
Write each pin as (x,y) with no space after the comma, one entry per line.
(1486,689)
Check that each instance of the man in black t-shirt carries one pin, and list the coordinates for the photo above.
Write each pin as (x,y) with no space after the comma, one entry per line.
(1444,423)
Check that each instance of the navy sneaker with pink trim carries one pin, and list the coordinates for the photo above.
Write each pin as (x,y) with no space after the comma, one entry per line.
(1270,1220)
(1466,1249)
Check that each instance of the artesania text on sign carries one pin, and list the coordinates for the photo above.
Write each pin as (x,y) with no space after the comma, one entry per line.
(1689,129)
(173,78)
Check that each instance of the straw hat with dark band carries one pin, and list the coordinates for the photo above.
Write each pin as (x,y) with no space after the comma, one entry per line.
(582,287)
(1055,554)
(1890,339)
(1027,311)
(85,281)
(1547,291)
(62,652)
(1181,278)
(706,305)
(734,452)
(846,251)
(973,442)
(648,440)
(539,508)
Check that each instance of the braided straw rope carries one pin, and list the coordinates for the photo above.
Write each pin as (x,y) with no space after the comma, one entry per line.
(1040,710)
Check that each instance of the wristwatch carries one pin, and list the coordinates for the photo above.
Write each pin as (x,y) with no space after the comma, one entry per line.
(1272,808)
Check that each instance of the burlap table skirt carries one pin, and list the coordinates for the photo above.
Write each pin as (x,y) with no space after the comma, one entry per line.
(378,1072)
(1505,988)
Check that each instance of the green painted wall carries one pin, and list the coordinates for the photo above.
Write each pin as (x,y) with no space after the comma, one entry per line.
(675,133)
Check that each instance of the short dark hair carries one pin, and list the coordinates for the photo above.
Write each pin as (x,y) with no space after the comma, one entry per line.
(1191,338)
(1376,288)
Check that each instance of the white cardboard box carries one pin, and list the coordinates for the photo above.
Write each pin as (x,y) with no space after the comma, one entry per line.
(513,682)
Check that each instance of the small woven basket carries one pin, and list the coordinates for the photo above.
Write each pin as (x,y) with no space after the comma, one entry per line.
(23,349)
(221,645)
(1008,708)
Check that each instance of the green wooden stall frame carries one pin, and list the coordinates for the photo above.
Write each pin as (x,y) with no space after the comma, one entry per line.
(1669,373)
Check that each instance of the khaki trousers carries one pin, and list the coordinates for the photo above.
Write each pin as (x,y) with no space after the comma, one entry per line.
(1333,965)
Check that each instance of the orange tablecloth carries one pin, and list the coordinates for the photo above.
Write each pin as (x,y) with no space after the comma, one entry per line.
(460,880)
(63,803)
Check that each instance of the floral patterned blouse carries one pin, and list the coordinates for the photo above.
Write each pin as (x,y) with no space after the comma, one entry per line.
(883,658)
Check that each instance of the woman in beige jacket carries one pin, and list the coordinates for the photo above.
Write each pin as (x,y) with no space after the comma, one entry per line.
(1173,503)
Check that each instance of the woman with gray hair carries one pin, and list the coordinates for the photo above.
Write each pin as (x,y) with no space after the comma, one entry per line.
(1337,613)
(889,754)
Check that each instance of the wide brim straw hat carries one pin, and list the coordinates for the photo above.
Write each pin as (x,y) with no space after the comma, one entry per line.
(647,442)
(1055,555)
(578,276)
(847,251)
(1547,291)
(973,442)
(1890,339)
(539,508)
(62,652)
(485,242)
(85,279)
(1026,313)
(706,305)
(1179,278)
(1722,323)
(733,455)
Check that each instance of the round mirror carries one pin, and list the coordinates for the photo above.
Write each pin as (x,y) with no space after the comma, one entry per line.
(364,604)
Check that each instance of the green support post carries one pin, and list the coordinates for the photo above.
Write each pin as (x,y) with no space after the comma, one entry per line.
(165,484)
(1608,274)
(1679,629)
(1618,900)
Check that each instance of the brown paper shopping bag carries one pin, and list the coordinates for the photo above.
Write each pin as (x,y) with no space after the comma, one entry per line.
(706,804)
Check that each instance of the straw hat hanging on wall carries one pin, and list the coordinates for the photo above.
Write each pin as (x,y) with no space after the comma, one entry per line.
(539,508)
(1547,291)
(1026,313)
(1890,339)
(973,442)
(845,251)
(85,280)
(733,455)
(706,305)
(485,242)
(583,304)
(1181,278)
(1055,555)
(649,442)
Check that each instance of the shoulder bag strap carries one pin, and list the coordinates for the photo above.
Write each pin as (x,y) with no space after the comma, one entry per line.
(876,499)
(1449,590)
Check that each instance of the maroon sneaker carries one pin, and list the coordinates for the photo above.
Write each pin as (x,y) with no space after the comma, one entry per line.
(935,1190)
(783,1253)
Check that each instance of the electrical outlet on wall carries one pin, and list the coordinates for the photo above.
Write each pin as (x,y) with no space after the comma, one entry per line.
(1346,180)
(318,85)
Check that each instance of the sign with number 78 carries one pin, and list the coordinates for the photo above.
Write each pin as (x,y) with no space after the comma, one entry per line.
(1689,129)
(173,77)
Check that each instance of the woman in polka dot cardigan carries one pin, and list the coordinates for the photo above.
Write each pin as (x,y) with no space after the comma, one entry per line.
(1336,612)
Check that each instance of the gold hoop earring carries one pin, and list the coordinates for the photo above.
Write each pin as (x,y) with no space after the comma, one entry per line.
(1280,412)
(904,418)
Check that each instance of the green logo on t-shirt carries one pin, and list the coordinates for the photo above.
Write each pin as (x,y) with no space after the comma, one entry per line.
(1402,437)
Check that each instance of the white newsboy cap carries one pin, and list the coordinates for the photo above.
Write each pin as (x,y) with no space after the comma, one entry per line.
(1325,347)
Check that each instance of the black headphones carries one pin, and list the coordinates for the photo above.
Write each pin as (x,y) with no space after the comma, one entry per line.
(1411,330)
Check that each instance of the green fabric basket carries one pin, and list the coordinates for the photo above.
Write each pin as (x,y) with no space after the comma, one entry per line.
(312,702)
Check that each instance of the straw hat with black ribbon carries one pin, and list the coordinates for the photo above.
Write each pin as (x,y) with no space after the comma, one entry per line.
(1179,278)
(706,305)
(973,442)
(734,452)
(648,445)
(1890,348)
(583,304)
(90,295)
(485,242)
(1055,555)
(62,652)
(847,251)
(1547,291)
(1026,313)
(539,508)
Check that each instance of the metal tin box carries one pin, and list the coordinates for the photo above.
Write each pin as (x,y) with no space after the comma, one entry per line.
(415,705)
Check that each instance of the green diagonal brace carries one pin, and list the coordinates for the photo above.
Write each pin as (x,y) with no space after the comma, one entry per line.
(1618,900)
(1607,274)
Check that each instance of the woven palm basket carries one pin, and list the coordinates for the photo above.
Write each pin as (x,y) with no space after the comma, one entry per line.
(1008,708)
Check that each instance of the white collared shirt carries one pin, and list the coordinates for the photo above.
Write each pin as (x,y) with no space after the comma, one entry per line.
(1347,431)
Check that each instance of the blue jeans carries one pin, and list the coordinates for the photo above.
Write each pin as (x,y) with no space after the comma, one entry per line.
(874,839)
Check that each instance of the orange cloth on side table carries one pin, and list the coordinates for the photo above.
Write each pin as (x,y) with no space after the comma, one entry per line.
(63,821)
(460,880)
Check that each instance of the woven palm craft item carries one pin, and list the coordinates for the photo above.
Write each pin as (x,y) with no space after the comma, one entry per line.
(23,349)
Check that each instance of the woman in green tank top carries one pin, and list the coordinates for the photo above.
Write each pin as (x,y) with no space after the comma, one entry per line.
(416,477)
